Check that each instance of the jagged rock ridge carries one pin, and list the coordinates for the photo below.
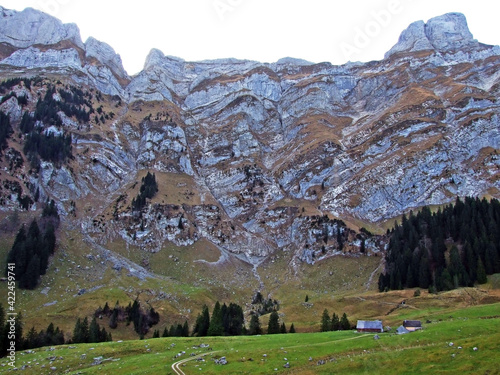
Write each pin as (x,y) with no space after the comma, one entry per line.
(261,157)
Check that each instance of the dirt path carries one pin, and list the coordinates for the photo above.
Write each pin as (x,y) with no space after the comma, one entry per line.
(176,365)
(370,280)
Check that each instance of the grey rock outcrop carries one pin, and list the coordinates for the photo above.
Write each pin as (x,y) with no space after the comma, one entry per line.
(442,33)
(411,40)
(32,58)
(105,54)
(29,27)
(449,31)
(39,41)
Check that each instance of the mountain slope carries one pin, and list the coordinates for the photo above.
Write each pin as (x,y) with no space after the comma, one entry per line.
(250,158)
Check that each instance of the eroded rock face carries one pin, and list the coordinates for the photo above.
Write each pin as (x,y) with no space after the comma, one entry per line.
(445,33)
(29,27)
(262,157)
(33,58)
(449,32)
(106,55)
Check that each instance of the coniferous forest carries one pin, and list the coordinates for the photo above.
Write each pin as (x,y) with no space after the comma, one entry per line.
(148,189)
(5,130)
(457,246)
(33,247)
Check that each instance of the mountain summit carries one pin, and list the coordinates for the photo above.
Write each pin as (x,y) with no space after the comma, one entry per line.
(448,32)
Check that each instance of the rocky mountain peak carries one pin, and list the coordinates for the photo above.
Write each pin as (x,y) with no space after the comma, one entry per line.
(29,27)
(449,31)
(154,58)
(443,33)
(104,53)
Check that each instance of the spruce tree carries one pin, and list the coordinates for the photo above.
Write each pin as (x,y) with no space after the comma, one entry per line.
(185,329)
(292,329)
(362,249)
(171,331)
(179,330)
(113,321)
(335,322)
(165,332)
(94,331)
(344,323)
(481,273)
(273,325)
(77,332)
(202,323)
(326,323)
(30,278)
(283,328)
(216,328)
(254,327)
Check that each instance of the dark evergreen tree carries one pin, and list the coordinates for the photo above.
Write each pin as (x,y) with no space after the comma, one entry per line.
(5,130)
(292,329)
(481,273)
(202,323)
(29,279)
(94,331)
(273,325)
(344,323)
(254,326)
(283,328)
(326,323)
(362,248)
(335,322)
(216,327)
(113,321)
(81,331)
(171,331)
(185,329)
(165,332)
(179,330)
(148,189)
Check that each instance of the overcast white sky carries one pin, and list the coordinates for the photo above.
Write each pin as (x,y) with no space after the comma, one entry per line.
(263,30)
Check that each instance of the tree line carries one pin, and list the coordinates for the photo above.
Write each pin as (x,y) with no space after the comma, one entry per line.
(33,247)
(5,130)
(142,319)
(335,323)
(148,189)
(47,145)
(11,82)
(456,246)
(51,336)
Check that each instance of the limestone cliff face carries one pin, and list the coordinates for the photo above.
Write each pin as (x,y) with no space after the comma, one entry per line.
(29,27)
(259,157)
(36,41)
